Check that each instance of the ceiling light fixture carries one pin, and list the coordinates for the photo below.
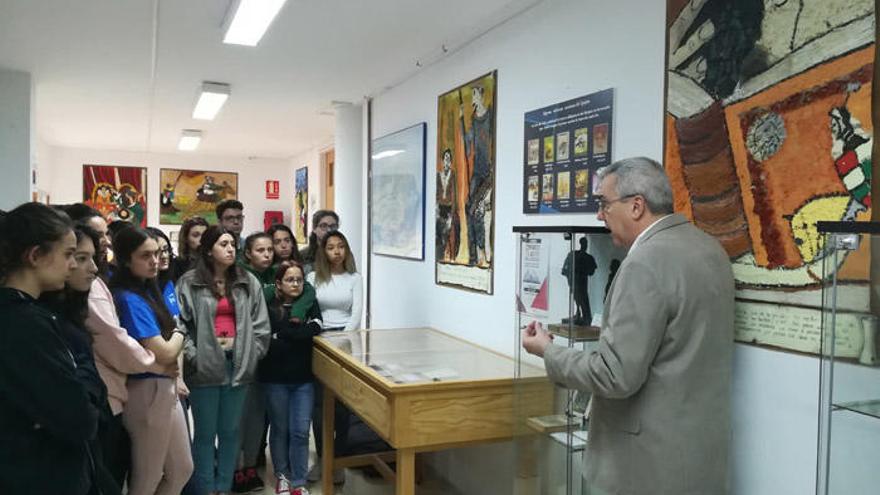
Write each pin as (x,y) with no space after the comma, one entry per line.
(248,20)
(211,99)
(189,140)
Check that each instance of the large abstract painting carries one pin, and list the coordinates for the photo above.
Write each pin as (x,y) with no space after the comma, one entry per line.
(188,193)
(768,130)
(397,193)
(301,205)
(465,174)
(119,193)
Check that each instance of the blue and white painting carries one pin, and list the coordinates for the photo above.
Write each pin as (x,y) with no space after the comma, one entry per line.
(397,191)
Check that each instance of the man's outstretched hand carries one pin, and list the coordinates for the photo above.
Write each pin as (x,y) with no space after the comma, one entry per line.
(535,339)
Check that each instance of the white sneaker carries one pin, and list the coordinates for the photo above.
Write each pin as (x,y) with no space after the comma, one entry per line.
(282,485)
(300,491)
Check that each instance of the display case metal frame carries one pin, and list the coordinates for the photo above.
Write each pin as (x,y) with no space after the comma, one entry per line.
(849,399)
(559,436)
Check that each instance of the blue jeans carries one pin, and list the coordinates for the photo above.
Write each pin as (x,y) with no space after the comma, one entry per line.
(290,412)
(216,415)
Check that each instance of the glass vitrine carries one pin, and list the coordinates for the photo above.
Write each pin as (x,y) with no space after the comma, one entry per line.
(563,275)
(849,398)
(422,355)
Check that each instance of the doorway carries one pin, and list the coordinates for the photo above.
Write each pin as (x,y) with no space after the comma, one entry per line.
(328,162)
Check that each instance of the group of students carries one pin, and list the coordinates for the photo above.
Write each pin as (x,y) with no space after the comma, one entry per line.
(108,340)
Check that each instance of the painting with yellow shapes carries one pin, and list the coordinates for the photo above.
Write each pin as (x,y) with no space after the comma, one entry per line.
(466,170)
(768,132)
(188,193)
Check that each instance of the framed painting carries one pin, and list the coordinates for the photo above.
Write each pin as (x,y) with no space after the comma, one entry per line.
(465,174)
(397,194)
(301,206)
(189,193)
(769,130)
(118,193)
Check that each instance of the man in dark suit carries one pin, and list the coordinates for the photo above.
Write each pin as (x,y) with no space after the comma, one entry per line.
(660,373)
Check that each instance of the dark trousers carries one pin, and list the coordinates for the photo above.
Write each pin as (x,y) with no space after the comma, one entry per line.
(190,487)
(115,448)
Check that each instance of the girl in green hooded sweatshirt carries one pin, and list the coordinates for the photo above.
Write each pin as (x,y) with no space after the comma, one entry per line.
(257,259)
(286,374)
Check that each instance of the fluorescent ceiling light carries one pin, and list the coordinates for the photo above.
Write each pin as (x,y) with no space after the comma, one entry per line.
(211,100)
(386,154)
(189,140)
(249,20)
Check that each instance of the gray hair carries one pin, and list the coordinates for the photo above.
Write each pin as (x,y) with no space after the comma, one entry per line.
(643,177)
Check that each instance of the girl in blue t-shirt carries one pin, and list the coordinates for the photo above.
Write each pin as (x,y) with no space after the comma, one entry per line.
(165,278)
(160,451)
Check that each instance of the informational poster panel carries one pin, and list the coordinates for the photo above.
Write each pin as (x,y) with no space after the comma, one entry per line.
(534,293)
(565,144)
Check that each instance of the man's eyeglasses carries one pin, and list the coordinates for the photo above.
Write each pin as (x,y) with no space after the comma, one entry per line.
(604,204)
(328,226)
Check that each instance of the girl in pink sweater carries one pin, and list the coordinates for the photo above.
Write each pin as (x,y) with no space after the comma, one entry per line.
(116,354)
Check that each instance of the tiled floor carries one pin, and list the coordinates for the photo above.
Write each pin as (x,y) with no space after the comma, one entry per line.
(356,483)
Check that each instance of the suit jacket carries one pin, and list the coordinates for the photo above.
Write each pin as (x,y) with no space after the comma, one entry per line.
(660,374)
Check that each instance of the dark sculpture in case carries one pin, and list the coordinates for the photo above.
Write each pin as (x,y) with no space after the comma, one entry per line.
(578,280)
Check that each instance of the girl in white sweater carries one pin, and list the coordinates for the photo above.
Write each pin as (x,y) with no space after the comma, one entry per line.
(339,289)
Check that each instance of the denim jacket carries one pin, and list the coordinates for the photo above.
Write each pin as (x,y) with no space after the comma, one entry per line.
(205,363)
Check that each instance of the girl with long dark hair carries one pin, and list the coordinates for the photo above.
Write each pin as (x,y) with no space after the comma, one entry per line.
(161,459)
(339,289)
(323,222)
(338,284)
(116,353)
(47,417)
(188,245)
(165,279)
(283,244)
(71,306)
(257,260)
(228,332)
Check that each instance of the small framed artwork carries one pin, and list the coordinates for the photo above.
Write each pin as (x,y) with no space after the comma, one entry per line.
(397,194)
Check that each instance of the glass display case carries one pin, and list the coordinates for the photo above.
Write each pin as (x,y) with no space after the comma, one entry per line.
(563,275)
(421,355)
(849,384)
(421,390)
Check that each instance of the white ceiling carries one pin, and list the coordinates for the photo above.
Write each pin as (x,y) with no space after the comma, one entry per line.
(91,63)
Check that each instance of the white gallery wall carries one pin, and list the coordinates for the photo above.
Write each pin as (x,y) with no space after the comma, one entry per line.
(61,176)
(17,146)
(559,50)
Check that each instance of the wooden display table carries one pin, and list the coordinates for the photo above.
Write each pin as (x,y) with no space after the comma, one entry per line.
(422,390)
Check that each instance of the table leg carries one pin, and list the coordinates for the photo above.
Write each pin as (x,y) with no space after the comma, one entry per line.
(406,480)
(329,406)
